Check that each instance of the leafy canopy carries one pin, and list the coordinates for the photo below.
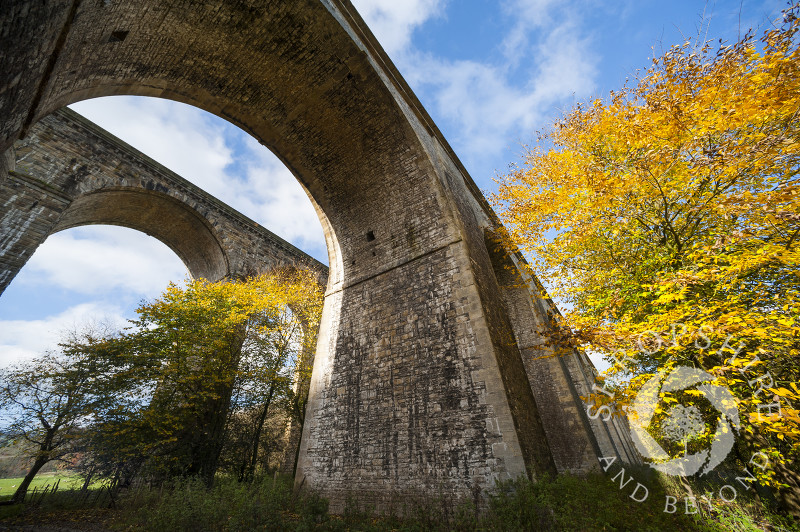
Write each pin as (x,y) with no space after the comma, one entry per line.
(666,220)
(193,357)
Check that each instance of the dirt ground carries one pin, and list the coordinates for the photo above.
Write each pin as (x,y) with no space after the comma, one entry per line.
(91,520)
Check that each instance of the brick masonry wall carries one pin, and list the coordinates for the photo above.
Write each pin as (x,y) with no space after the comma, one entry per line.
(559,378)
(30,210)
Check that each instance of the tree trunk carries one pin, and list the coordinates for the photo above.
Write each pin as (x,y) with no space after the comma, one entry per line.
(22,489)
(213,415)
(297,451)
(205,451)
(251,470)
(87,481)
(788,498)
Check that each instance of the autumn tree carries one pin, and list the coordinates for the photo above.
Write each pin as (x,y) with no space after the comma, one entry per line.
(273,369)
(47,402)
(666,220)
(192,338)
(176,371)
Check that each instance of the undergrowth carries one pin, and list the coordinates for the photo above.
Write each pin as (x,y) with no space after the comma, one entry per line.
(592,502)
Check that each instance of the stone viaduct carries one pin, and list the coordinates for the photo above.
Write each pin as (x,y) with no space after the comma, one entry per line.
(69,172)
(432,374)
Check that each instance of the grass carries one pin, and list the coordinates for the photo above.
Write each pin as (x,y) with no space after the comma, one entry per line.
(566,502)
(68,506)
(68,481)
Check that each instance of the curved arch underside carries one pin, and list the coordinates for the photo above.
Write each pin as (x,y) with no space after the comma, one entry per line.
(418,382)
(71,172)
(157,215)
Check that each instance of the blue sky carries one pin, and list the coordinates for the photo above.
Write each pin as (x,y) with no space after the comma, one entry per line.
(490,73)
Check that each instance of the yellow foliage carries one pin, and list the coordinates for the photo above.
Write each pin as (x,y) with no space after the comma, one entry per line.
(666,220)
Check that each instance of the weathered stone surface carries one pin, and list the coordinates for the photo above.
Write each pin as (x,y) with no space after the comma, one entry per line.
(558,380)
(419,385)
(8,160)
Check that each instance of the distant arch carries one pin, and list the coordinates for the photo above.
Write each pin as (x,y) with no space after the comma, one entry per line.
(70,172)
(176,225)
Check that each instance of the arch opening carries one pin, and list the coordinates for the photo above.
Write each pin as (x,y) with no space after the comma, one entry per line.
(157,215)
(310,181)
(77,277)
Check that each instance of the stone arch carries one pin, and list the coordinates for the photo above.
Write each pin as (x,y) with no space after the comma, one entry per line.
(158,215)
(70,172)
(416,388)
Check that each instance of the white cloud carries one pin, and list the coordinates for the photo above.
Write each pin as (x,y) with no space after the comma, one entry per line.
(21,339)
(546,62)
(488,110)
(100,259)
(219,158)
(272,196)
(528,15)
(566,66)
(394,21)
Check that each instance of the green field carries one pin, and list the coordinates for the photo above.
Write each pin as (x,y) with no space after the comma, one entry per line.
(68,481)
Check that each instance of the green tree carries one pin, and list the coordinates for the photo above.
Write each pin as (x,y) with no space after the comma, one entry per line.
(271,383)
(176,371)
(271,350)
(47,401)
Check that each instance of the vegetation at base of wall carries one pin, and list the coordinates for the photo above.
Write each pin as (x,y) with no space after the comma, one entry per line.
(754,509)
(188,505)
(567,502)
